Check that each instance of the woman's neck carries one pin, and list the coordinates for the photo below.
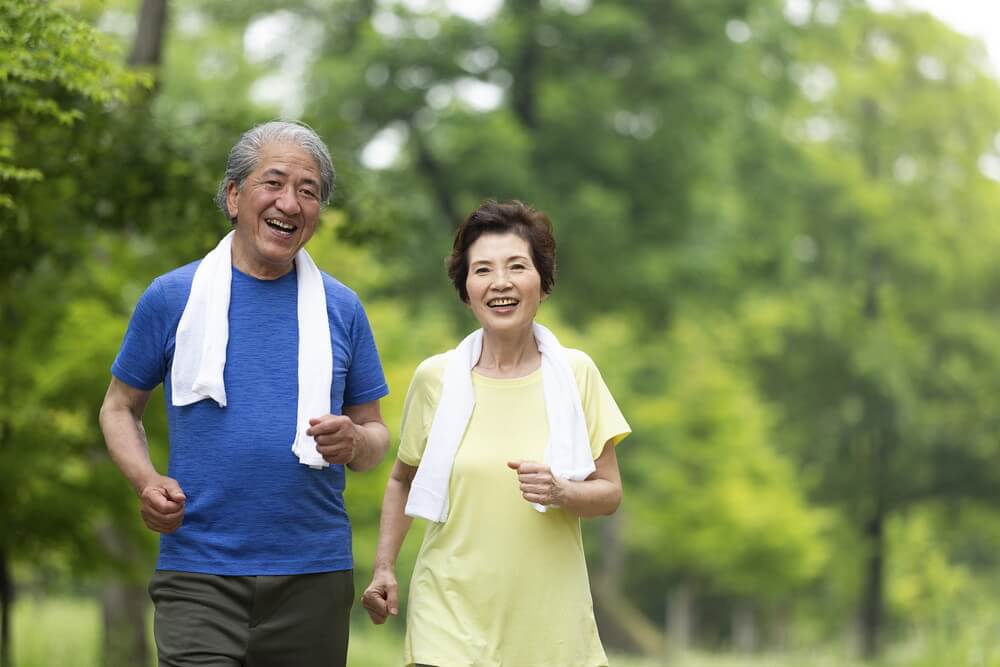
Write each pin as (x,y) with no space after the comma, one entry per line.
(509,356)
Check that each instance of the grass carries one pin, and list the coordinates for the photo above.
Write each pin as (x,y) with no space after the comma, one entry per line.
(56,631)
(67,631)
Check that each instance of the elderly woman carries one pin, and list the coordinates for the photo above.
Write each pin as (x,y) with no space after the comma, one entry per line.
(506,442)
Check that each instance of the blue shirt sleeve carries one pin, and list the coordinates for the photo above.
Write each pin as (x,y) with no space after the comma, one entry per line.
(365,378)
(141,361)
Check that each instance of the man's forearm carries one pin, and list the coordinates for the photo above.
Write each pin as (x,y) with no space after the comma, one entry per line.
(372,448)
(126,441)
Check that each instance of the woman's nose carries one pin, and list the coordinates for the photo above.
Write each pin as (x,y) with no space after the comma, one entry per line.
(501,280)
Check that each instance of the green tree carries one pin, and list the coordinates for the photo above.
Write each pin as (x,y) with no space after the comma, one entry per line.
(868,322)
(56,73)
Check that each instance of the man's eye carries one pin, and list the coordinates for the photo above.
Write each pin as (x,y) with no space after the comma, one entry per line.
(308,193)
(273,184)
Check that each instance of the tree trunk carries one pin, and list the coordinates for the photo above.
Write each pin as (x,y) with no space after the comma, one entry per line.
(619,621)
(609,574)
(638,633)
(124,603)
(612,553)
(778,635)
(744,622)
(147,50)
(871,609)
(680,618)
(436,178)
(526,63)
(6,602)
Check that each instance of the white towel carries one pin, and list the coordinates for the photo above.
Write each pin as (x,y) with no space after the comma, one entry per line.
(567,453)
(203,334)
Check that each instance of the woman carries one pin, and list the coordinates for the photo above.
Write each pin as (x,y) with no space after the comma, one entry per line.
(506,441)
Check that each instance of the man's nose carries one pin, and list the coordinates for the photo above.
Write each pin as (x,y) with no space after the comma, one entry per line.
(287,202)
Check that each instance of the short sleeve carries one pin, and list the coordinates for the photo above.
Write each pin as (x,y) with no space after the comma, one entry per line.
(419,408)
(365,378)
(605,421)
(142,359)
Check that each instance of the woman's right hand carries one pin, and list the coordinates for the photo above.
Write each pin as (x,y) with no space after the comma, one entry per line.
(380,599)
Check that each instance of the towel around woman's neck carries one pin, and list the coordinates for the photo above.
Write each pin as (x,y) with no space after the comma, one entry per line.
(567,453)
(203,334)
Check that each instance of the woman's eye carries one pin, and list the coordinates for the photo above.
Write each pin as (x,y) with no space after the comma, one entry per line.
(481,270)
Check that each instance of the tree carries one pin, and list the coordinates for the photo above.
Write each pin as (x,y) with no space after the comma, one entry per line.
(870,331)
(54,72)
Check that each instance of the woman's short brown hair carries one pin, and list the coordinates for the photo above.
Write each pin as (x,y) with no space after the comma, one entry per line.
(513,217)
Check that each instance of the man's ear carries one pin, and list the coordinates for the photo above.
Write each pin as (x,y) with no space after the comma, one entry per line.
(232,199)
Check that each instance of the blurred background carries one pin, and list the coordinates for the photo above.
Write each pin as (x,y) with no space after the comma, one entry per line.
(778,238)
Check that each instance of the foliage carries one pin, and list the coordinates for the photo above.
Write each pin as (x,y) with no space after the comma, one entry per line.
(774,233)
(53,70)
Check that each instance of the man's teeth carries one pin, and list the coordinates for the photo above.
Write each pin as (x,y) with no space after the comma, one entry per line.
(278,224)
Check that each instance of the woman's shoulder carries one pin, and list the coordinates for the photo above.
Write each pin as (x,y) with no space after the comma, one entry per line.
(431,370)
(580,361)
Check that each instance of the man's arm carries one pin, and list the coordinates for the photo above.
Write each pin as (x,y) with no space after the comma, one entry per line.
(358,439)
(161,499)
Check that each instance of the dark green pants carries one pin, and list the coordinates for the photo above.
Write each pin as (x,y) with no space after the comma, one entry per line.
(263,621)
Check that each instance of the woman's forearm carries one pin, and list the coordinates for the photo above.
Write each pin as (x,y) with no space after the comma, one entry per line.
(591,497)
(393,524)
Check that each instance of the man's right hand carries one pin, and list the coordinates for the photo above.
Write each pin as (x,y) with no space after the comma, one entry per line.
(380,598)
(161,503)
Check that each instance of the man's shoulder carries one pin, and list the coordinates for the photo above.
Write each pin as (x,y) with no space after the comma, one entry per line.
(338,294)
(182,276)
(175,285)
(166,290)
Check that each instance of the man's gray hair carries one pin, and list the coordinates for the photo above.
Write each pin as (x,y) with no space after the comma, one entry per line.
(245,155)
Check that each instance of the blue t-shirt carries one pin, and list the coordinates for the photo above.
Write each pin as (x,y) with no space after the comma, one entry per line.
(251,507)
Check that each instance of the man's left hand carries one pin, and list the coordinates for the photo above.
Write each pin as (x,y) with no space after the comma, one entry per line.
(337,438)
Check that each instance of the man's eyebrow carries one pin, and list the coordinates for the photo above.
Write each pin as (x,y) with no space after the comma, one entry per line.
(274,171)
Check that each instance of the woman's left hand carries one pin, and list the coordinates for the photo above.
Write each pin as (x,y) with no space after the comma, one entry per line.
(538,484)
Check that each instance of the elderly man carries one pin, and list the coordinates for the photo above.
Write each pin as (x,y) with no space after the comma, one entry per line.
(272,384)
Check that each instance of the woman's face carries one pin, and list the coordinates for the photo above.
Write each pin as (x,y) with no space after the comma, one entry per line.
(504,286)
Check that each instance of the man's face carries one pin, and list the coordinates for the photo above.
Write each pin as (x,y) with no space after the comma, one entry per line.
(276,211)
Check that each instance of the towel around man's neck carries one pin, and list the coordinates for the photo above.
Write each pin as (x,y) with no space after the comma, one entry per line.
(567,453)
(203,334)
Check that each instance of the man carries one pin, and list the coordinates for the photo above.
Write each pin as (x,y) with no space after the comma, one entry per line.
(272,383)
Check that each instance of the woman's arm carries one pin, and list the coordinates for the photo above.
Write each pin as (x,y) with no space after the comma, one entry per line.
(598,495)
(381,598)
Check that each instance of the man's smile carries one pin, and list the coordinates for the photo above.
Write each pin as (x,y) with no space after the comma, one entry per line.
(280,225)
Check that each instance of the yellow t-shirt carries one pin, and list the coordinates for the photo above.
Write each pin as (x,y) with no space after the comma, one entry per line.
(499,583)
